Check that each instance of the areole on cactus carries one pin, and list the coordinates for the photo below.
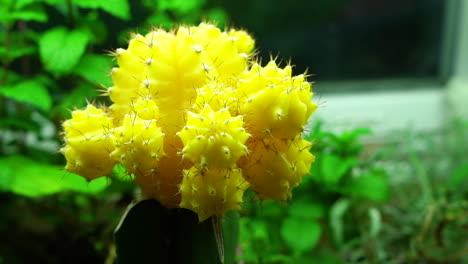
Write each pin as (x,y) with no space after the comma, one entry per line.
(197,120)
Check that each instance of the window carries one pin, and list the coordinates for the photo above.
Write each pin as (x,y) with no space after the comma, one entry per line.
(375,63)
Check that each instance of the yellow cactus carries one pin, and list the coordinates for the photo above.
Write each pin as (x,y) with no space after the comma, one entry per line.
(211,192)
(213,139)
(197,121)
(88,143)
(276,166)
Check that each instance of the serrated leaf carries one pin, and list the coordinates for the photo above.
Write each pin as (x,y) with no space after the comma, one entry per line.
(94,68)
(61,49)
(299,234)
(33,179)
(118,8)
(31,92)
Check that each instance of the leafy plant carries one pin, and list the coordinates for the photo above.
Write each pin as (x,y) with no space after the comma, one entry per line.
(52,57)
(343,187)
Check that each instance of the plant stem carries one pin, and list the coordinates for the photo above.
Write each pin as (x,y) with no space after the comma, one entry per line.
(25,60)
(6,63)
(71,19)
(422,176)
(218,232)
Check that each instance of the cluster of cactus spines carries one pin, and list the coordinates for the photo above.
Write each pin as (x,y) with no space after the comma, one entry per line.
(197,121)
(88,143)
(213,142)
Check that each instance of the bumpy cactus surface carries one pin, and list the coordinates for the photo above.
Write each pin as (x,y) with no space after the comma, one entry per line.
(197,121)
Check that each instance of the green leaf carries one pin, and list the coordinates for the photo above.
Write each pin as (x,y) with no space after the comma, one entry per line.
(30,178)
(31,13)
(15,123)
(16,52)
(118,8)
(61,49)
(150,231)
(218,16)
(120,172)
(299,234)
(334,168)
(256,230)
(95,68)
(22,3)
(161,19)
(75,99)
(373,186)
(6,175)
(277,258)
(460,174)
(12,76)
(180,6)
(94,27)
(29,91)
(355,133)
(306,209)
(271,209)
(336,219)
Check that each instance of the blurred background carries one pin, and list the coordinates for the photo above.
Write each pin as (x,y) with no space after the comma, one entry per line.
(390,181)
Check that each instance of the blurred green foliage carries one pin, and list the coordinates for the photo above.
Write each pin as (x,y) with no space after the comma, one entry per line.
(342,187)
(52,59)
(401,202)
(406,202)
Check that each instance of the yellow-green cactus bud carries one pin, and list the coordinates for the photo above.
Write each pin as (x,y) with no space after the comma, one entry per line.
(139,145)
(274,102)
(88,141)
(196,120)
(217,96)
(211,192)
(276,166)
(213,139)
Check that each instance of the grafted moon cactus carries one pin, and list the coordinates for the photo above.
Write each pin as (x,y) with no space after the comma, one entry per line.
(197,121)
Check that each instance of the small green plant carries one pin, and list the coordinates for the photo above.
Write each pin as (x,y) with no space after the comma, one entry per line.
(426,219)
(409,206)
(343,187)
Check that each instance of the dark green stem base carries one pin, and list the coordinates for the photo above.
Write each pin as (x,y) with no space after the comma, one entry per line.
(151,233)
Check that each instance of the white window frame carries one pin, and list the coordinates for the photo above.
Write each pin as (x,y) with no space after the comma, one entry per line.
(390,105)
